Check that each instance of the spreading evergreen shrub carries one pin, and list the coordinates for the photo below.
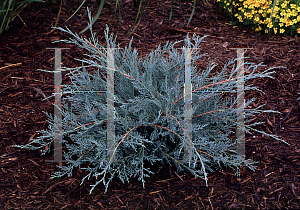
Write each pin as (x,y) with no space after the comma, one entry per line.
(149,113)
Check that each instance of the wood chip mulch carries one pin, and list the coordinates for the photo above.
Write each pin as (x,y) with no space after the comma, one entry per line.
(24,175)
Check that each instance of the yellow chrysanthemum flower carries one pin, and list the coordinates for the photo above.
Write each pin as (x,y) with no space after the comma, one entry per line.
(294,13)
(285,14)
(270,25)
(283,5)
(295,21)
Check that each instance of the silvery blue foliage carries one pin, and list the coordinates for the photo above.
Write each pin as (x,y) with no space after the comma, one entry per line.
(149,113)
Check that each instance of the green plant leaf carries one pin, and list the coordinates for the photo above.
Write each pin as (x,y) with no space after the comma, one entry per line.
(171,12)
(96,16)
(137,17)
(58,13)
(76,11)
(274,3)
(192,13)
(119,18)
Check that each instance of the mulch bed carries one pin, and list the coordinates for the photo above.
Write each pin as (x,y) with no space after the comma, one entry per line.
(24,175)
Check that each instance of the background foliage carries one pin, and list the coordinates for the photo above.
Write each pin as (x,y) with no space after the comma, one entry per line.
(283,18)
(10,9)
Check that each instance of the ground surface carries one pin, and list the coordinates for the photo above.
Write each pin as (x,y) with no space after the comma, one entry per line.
(24,175)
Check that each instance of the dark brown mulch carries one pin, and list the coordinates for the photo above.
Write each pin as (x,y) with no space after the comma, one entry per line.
(24,178)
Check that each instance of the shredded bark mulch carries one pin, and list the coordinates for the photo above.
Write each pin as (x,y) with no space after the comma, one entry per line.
(24,179)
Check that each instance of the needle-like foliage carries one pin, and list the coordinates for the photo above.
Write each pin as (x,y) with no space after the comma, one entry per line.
(149,113)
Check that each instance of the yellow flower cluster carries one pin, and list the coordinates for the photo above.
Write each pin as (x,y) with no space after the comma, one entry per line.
(285,14)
